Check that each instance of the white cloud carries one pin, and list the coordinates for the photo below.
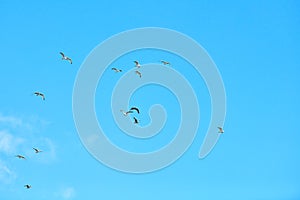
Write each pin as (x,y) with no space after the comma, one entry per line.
(68,193)
(19,135)
(11,120)
(9,142)
(6,174)
(28,124)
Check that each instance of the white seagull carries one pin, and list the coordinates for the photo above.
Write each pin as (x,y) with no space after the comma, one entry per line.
(125,113)
(137,64)
(116,69)
(220,130)
(138,73)
(40,94)
(27,186)
(37,150)
(165,62)
(65,57)
(21,157)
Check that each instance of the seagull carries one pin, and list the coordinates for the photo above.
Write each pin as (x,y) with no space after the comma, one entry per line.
(125,113)
(21,157)
(37,150)
(137,110)
(135,120)
(137,64)
(27,186)
(116,70)
(139,73)
(165,62)
(65,57)
(221,130)
(40,94)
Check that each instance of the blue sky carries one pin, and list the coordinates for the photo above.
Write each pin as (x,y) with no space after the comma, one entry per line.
(255,45)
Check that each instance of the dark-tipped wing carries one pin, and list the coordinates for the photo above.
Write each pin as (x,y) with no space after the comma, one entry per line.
(62,54)
(135,120)
(136,109)
(69,59)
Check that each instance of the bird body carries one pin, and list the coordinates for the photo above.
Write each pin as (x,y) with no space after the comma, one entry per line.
(65,57)
(137,64)
(165,62)
(40,94)
(27,186)
(139,73)
(116,70)
(221,130)
(21,157)
(37,150)
(125,113)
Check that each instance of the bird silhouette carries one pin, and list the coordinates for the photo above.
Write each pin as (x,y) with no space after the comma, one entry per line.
(116,70)
(40,94)
(125,113)
(21,157)
(136,121)
(27,186)
(220,130)
(165,62)
(137,64)
(65,57)
(136,109)
(139,73)
(37,150)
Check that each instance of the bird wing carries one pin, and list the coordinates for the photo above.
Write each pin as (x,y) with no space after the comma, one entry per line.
(61,53)
(69,59)
(114,68)
(136,62)
(134,108)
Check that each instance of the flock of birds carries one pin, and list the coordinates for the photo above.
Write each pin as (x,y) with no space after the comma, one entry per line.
(124,112)
(137,72)
(130,111)
(39,94)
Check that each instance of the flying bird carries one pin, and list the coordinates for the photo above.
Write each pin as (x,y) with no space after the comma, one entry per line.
(116,70)
(27,186)
(21,157)
(165,62)
(136,109)
(65,57)
(125,113)
(139,73)
(37,150)
(221,130)
(40,94)
(135,120)
(137,64)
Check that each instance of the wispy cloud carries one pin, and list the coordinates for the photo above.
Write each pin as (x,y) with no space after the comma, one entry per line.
(28,124)
(6,174)
(19,134)
(68,193)
(9,143)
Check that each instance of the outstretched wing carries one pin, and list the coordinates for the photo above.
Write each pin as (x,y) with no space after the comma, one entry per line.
(69,59)
(136,109)
(62,54)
